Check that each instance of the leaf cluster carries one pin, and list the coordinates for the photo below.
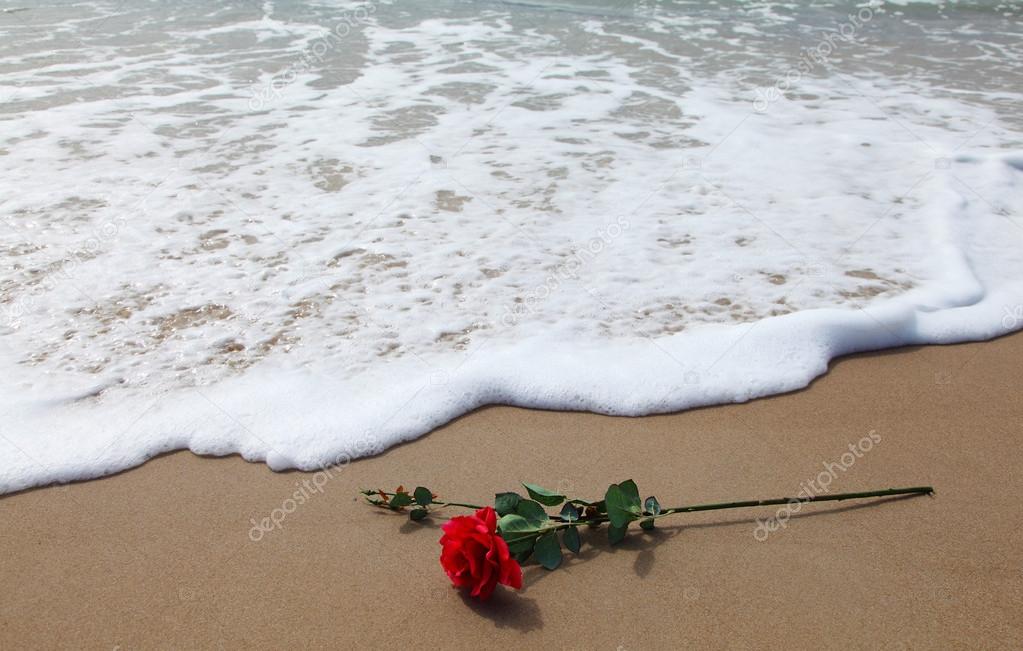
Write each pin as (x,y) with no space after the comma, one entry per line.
(530,531)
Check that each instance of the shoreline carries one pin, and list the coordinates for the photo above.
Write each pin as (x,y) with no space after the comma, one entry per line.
(160,555)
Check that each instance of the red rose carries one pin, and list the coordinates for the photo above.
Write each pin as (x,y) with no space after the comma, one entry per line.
(474,555)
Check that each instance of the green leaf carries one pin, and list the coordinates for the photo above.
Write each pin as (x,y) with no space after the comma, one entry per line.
(514,523)
(522,546)
(417,514)
(400,500)
(532,512)
(619,509)
(631,492)
(548,550)
(505,503)
(569,513)
(647,525)
(522,556)
(615,534)
(601,506)
(652,506)
(571,539)
(544,496)
(423,496)
(514,528)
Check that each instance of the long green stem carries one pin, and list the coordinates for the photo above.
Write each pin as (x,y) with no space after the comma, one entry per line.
(467,506)
(837,497)
(717,506)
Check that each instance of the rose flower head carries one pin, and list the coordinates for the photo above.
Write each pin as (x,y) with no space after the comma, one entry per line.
(475,556)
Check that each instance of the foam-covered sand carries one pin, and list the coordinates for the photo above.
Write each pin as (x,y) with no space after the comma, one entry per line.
(165,556)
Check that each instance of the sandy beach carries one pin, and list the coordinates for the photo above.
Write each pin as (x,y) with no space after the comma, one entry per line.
(162,557)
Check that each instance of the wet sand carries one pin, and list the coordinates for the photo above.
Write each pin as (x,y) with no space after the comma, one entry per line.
(161,556)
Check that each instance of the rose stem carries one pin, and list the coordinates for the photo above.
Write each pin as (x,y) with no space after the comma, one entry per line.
(369,494)
(466,506)
(837,497)
(915,490)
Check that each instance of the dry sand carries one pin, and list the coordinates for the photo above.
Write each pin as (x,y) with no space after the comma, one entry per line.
(160,556)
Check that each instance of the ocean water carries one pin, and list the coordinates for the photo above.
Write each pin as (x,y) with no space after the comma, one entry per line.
(306,231)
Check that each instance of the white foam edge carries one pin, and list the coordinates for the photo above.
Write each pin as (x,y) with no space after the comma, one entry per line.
(309,420)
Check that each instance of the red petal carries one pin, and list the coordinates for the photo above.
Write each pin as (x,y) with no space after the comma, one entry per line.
(511,574)
(502,549)
(485,584)
(489,518)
